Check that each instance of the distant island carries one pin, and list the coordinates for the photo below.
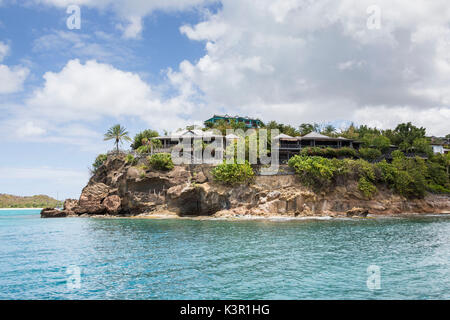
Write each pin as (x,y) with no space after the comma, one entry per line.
(39,201)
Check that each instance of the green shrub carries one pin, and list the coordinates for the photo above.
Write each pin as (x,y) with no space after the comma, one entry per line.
(130,159)
(436,188)
(346,152)
(388,172)
(367,188)
(312,151)
(365,169)
(143,137)
(161,161)
(101,158)
(232,174)
(369,154)
(316,172)
(409,177)
(437,176)
(398,155)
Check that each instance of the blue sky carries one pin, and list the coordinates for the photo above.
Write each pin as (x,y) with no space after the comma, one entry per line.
(165,64)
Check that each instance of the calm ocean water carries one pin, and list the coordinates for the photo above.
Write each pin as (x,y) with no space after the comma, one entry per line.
(187,259)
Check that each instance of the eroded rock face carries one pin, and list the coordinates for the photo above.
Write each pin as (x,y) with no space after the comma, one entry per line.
(112,204)
(196,200)
(70,205)
(91,199)
(118,188)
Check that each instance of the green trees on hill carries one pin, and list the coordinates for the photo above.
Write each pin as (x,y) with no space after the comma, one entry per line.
(39,201)
(410,177)
(143,137)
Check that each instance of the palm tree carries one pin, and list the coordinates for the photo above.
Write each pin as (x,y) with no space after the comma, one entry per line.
(117,133)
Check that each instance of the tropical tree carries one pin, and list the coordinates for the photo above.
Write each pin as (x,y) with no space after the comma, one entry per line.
(149,145)
(329,130)
(379,142)
(447,163)
(143,137)
(306,128)
(405,134)
(118,134)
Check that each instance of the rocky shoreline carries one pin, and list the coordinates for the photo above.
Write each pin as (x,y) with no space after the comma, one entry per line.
(119,189)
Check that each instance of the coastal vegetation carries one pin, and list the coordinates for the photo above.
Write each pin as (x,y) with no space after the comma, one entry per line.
(409,177)
(101,158)
(410,169)
(38,201)
(233,173)
(142,138)
(161,161)
(117,133)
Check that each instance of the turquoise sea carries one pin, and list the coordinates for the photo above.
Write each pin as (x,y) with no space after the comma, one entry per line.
(80,258)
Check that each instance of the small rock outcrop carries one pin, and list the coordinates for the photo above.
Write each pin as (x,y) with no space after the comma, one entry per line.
(70,205)
(357,212)
(112,204)
(121,189)
(53,213)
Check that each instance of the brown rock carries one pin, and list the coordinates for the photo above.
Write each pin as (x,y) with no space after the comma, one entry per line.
(70,204)
(357,212)
(112,204)
(91,199)
(196,200)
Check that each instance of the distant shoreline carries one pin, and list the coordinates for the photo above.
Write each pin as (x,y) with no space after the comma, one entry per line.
(4,209)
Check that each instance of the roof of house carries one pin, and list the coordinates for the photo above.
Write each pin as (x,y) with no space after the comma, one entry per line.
(231,136)
(316,135)
(283,136)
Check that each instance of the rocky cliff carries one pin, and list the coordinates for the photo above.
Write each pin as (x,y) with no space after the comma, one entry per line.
(119,189)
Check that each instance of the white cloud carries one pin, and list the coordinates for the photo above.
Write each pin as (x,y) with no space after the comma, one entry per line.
(300,61)
(350,65)
(133,29)
(91,91)
(435,120)
(12,79)
(131,12)
(29,129)
(71,103)
(4,50)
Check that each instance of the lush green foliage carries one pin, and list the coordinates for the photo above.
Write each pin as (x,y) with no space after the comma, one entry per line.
(377,141)
(149,145)
(346,152)
(316,172)
(143,137)
(410,177)
(101,158)
(369,154)
(367,188)
(118,134)
(40,201)
(161,161)
(130,159)
(233,174)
